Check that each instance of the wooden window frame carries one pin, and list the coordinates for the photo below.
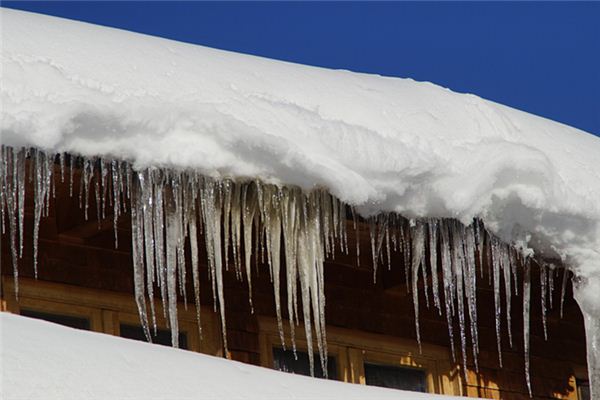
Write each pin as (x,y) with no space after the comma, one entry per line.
(106,310)
(352,349)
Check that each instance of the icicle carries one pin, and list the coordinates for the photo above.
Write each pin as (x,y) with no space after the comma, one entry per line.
(211,212)
(171,268)
(226,221)
(433,260)
(137,241)
(249,202)
(236,223)
(20,176)
(290,237)
(551,272)
(497,301)
(147,210)
(583,289)
(506,269)
(304,269)
(43,174)
(274,248)
(193,232)
(98,202)
(543,283)
(448,281)
(10,186)
(563,290)
(470,285)
(356,234)
(71,174)
(158,221)
(457,257)
(116,189)
(526,309)
(418,241)
(104,180)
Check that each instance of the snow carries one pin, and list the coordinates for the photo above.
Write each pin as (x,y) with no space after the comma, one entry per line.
(377,143)
(383,144)
(49,361)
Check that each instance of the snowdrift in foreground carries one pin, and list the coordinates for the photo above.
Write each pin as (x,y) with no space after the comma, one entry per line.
(42,360)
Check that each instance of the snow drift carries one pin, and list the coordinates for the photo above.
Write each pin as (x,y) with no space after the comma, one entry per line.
(376,143)
(42,360)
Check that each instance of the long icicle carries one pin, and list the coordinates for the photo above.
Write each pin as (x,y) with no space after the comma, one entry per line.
(168,208)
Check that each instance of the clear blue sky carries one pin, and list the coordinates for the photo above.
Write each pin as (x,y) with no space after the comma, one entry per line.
(539,57)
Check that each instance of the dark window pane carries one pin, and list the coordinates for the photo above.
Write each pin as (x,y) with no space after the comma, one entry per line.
(396,377)
(66,320)
(284,360)
(163,336)
(583,389)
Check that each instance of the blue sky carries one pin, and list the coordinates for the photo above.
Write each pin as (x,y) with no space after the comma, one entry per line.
(539,57)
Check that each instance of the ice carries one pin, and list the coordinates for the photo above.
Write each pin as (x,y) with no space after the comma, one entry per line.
(526,323)
(172,208)
(543,294)
(418,250)
(497,301)
(587,293)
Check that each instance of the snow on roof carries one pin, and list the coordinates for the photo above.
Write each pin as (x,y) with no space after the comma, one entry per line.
(49,361)
(379,143)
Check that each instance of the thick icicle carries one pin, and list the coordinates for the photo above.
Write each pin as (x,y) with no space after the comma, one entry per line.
(418,250)
(137,240)
(585,291)
(249,201)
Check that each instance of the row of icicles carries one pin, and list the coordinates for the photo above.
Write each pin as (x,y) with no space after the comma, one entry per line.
(240,219)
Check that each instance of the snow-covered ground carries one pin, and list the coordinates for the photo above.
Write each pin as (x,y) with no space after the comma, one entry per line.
(42,360)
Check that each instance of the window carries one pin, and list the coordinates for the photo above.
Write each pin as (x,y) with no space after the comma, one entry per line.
(583,389)
(162,336)
(66,320)
(391,376)
(107,312)
(364,358)
(284,360)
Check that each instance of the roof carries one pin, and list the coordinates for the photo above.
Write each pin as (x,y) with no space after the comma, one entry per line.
(380,143)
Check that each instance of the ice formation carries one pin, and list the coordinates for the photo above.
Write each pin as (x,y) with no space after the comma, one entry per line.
(261,156)
(169,209)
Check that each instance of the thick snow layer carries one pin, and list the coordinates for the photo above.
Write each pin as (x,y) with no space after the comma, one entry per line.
(379,143)
(41,360)
(383,143)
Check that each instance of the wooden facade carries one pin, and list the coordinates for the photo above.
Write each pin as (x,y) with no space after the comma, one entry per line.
(81,274)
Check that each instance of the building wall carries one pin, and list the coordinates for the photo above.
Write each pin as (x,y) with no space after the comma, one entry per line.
(80,272)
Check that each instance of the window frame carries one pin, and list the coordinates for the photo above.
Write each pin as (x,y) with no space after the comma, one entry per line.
(352,349)
(107,309)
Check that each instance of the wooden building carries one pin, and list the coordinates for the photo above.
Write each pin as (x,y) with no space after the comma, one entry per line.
(84,282)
